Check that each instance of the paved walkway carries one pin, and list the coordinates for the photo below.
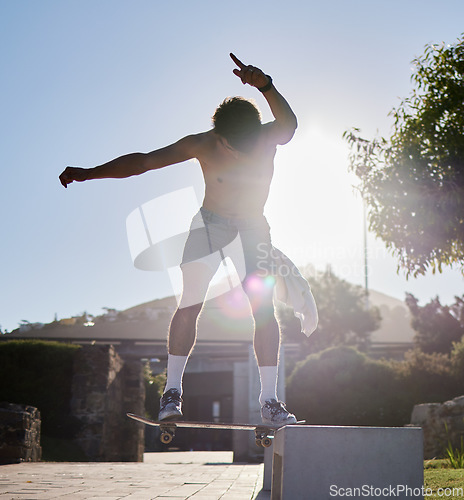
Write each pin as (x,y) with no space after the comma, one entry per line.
(174,475)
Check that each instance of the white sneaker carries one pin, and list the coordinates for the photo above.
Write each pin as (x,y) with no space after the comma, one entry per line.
(274,413)
(170,405)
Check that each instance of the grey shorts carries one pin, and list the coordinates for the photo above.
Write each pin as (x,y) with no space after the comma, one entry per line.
(247,242)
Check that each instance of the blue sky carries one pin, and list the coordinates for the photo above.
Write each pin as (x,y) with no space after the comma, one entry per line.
(84,81)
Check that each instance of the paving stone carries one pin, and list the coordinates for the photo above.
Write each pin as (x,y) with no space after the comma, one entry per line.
(182,475)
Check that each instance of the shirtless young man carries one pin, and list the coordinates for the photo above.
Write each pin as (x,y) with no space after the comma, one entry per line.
(237,161)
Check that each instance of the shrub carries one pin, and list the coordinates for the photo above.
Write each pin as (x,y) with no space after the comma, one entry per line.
(457,364)
(341,386)
(154,386)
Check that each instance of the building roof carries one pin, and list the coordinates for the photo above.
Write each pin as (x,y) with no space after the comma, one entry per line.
(224,319)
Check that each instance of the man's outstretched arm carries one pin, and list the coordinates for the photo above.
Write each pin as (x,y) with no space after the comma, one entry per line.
(136,163)
(285,120)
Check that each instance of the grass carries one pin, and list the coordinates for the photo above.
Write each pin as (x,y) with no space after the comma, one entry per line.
(456,455)
(442,480)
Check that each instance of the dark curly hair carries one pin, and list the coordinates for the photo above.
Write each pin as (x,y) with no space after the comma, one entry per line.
(238,120)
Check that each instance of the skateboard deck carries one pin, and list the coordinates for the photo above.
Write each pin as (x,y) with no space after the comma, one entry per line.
(263,433)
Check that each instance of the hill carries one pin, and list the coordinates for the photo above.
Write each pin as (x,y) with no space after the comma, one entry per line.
(396,319)
(395,325)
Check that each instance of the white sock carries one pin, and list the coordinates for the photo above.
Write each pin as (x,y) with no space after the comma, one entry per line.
(268,376)
(175,372)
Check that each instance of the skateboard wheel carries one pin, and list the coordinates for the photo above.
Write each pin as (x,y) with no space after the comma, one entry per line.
(258,442)
(166,438)
(266,442)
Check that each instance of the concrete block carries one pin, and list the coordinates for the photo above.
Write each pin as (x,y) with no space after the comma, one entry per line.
(267,473)
(326,462)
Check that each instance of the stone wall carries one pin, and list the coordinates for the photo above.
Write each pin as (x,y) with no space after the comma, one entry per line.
(440,423)
(19,434)
(105,387)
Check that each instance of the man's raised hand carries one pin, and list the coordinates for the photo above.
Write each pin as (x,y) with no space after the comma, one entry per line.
(249,74)
(71,174)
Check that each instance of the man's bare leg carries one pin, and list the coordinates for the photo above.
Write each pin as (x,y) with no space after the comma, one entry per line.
(182,330)
(266,342)
(266,338)
(267,346)
(196,277)
(182,335)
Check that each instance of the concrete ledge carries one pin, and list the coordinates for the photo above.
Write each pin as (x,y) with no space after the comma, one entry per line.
(325,462)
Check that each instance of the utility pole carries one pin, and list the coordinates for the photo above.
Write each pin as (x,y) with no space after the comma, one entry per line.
(366,271)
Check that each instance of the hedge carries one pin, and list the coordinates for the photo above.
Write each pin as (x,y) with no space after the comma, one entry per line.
(39,373)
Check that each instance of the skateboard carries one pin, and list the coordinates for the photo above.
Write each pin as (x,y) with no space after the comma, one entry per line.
(263,433)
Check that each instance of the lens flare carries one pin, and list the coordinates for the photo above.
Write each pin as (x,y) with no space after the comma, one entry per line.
(231,311)
(233,304)
(269,281)
(231,314)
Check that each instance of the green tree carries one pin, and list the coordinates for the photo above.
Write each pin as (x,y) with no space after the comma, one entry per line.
(426,378)
(344,318)
(437,327)
(413,182)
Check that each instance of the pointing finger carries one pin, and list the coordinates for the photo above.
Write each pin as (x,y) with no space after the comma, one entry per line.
(237,61)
